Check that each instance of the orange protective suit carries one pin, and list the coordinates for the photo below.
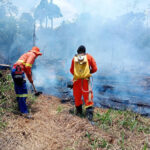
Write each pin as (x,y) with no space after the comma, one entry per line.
(81,86)
(26,61)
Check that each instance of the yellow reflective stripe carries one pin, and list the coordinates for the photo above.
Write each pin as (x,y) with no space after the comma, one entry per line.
(22,61)
(28,65)
(88,106)
(21,95)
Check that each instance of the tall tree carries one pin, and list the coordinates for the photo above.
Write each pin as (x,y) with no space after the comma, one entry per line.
(25,30)
(9,8)
(41,13)
(8,27)
(53,12)
(45,11)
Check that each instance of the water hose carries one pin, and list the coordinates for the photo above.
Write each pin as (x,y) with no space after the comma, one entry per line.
(90,86)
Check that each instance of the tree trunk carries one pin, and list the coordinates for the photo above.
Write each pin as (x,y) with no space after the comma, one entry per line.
(46,21)
(40,23)
(52,23)
(8,58)
(34,36)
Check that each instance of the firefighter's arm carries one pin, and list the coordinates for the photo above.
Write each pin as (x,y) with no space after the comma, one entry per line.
(93,66)
(28,66)
(29,74)
(72,67)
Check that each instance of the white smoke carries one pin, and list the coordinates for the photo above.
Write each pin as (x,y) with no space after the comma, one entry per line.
(114,32)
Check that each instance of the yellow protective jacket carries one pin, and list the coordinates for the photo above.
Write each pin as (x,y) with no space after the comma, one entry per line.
(83,70)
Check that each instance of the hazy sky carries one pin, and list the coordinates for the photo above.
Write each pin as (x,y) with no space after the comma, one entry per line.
(105,8)
(67,9)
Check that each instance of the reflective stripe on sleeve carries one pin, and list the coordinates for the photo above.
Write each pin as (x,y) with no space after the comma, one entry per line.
(28,65)
(21,95)
(22,61)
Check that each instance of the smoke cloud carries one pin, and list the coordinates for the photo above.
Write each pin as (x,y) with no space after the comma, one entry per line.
(116,33)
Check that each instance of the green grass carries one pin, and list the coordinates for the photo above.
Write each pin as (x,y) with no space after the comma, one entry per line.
(8,101)
(7,96)
(144,129)
(104,120)
(2,125)
(97,142)
(145,146)
(121,142)
(30,101)
(129,121)
(122,124)
(59,109)
(123,119)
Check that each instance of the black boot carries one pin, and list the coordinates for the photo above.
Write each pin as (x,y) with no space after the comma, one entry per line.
(79,110)
(89,113)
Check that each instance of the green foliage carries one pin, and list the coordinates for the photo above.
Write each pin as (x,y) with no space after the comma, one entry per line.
(104,120)
(8,27)
(59,109)
(123,123)
(16,34)
(26,25)
(8,101)
(30,101)
(122,140)
(129,121)
(96,142)
(145,146)
(2,124)
(8,8)
(143,128)
(123,119)
(7,96)
(45,11)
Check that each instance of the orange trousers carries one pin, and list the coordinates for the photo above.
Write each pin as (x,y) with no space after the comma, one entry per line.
(81,88)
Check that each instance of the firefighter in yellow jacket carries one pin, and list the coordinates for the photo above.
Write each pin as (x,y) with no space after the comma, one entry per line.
(82,67)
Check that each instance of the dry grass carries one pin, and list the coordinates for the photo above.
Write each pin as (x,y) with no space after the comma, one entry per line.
(53,128)
(131,131)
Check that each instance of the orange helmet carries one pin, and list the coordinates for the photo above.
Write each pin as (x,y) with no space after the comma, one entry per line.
(36,50)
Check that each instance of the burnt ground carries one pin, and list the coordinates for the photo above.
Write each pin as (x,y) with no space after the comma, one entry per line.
(54,128)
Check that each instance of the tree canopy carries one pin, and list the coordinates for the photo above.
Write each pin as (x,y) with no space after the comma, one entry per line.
(45,11)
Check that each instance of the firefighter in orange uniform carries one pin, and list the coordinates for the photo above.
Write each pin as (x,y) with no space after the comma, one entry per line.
(20,68)
(82,67)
